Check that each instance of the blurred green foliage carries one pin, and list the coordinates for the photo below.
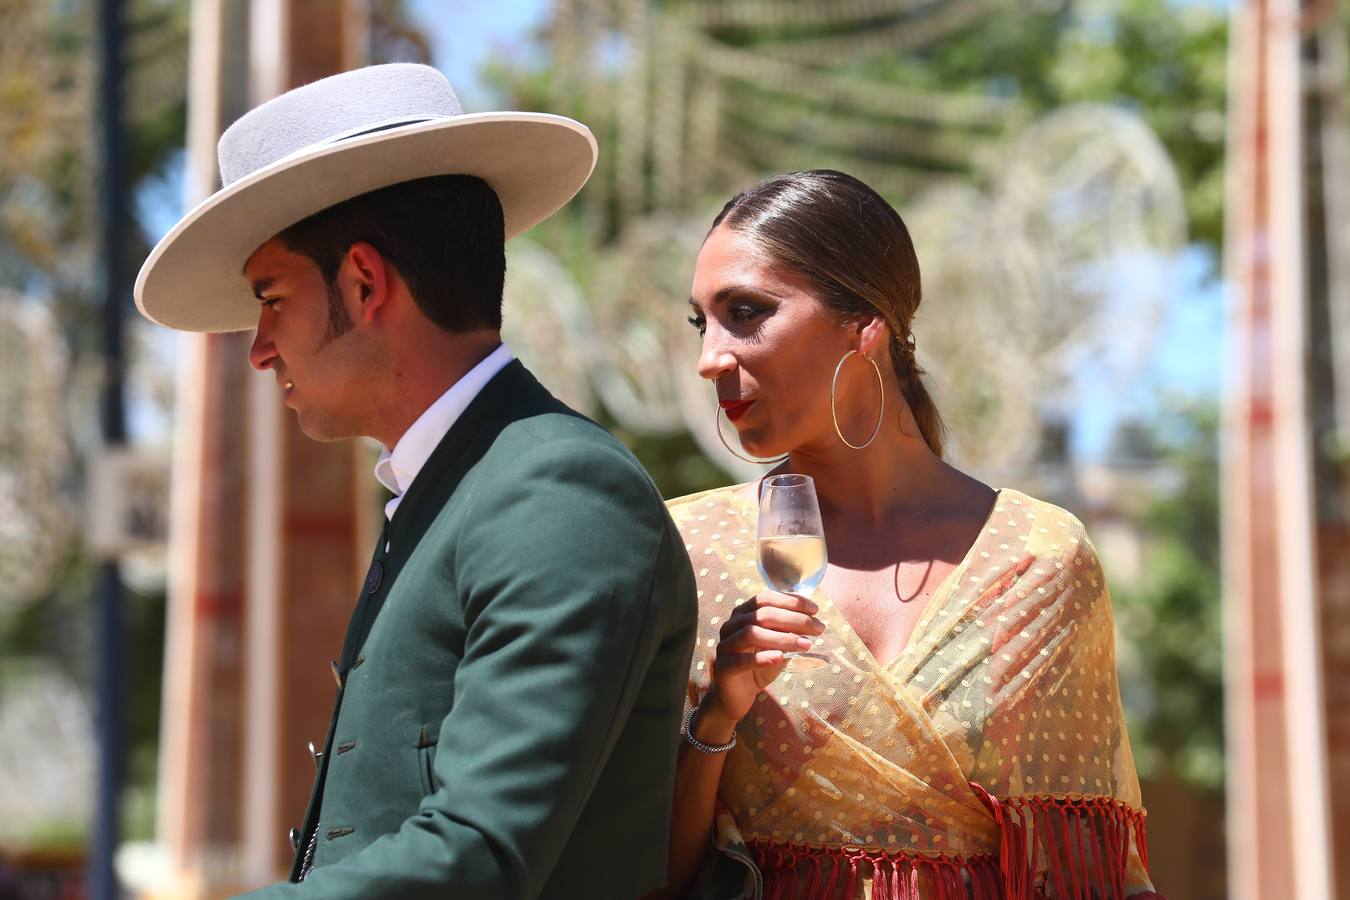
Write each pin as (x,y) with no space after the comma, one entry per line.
(49,145)
(1164,59)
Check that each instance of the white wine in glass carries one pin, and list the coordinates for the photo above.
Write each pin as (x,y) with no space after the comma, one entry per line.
(793,563)
(791,542)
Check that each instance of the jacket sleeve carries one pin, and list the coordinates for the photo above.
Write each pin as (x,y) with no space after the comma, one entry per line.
(560,570)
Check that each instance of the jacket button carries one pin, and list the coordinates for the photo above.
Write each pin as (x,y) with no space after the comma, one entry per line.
(375,577)
(295,838)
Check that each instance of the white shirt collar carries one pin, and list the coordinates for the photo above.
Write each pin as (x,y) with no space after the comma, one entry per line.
(397,468)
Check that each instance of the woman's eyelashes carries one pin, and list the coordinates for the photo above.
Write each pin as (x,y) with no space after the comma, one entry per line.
(739,313)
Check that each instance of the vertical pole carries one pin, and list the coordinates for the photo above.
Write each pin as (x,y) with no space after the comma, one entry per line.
(201,732)
(306,541)
(1331,330)
(178,791)
(109,629)
(266,804)
(1291,249)
(1277,811)
(110,621)
(1261,854)
(318,506)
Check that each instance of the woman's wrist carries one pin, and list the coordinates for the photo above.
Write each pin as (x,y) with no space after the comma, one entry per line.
(711,724)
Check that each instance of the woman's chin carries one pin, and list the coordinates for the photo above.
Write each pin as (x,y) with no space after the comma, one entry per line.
(762,449)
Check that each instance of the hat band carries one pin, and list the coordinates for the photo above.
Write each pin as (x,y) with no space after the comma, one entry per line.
(359,131)
(379,126)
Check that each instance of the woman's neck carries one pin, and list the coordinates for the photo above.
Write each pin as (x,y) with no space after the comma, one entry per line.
(896,477)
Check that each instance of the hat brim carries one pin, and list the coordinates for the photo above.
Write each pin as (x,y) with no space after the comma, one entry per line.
(193,281)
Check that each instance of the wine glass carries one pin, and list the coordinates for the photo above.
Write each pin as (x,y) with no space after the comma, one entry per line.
(791,545)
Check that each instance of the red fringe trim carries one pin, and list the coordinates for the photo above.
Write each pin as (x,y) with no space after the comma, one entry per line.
(1081,845)
(793,872)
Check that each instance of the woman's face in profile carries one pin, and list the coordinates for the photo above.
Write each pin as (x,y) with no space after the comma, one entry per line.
(769,345)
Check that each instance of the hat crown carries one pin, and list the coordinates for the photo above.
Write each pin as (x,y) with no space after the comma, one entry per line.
(332,108)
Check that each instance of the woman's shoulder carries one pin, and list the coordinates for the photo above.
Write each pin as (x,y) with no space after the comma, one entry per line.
(1039,517)
(1048,531)
(1056,537)
(728,499)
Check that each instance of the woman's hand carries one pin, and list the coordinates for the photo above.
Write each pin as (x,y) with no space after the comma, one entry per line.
(749,657)
(750,654)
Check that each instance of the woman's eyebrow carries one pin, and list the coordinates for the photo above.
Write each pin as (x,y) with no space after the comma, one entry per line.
(738,290)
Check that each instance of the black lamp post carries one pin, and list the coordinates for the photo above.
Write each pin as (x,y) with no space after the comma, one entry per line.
(108,598)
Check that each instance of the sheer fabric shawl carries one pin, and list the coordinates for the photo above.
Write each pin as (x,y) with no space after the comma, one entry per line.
(989,760)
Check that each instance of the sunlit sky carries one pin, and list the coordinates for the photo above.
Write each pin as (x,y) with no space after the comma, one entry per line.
(468,33)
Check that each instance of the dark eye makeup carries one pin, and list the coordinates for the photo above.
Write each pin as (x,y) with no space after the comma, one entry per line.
(738,311)
(744,312)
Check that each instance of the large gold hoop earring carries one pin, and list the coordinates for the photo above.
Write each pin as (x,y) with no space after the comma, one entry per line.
(881,385)
(717,418)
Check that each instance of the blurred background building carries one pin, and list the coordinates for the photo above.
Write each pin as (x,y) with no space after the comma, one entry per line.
(1132,219)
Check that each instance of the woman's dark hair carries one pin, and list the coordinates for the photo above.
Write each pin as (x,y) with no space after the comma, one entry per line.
(854,248)
(444,234)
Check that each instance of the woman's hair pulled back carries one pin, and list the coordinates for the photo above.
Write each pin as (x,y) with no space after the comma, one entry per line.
(854,248)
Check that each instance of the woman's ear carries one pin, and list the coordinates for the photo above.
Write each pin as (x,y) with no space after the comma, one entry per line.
(873,331)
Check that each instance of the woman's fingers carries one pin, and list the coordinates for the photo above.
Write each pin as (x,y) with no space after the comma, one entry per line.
(774,618)
(740,663)
(794,602)
(756,637)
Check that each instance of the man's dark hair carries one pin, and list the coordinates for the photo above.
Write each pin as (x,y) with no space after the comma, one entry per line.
(444,234)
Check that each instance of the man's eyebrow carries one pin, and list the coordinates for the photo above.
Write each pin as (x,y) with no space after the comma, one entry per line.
(261,285)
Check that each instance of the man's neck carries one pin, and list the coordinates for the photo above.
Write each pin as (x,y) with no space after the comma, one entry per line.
(431,368)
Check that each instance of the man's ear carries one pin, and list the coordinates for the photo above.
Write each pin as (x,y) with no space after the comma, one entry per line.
(365,278)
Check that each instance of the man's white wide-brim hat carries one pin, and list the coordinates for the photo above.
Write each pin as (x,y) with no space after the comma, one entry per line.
(332,140)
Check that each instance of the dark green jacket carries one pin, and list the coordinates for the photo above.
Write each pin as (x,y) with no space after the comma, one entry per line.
(513,676)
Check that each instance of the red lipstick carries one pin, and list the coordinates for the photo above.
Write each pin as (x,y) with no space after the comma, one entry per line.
(735,408)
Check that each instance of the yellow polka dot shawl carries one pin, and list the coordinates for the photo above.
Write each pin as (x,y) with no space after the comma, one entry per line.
(989,760)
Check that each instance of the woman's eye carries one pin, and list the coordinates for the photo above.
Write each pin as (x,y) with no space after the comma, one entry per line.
(699,323)
(742,312)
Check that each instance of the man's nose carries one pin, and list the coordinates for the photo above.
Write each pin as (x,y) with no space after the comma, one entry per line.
(262,352)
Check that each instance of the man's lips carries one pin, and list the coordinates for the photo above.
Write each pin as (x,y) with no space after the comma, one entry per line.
(735,408)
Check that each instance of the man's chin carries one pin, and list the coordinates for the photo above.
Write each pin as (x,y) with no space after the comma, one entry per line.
(322,428)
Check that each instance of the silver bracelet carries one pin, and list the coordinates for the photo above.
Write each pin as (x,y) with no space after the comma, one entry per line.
(688,732)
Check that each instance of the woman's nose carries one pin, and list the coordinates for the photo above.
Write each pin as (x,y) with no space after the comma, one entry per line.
(715,360)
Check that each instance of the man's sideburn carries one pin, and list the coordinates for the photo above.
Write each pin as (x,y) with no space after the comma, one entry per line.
(339,320)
